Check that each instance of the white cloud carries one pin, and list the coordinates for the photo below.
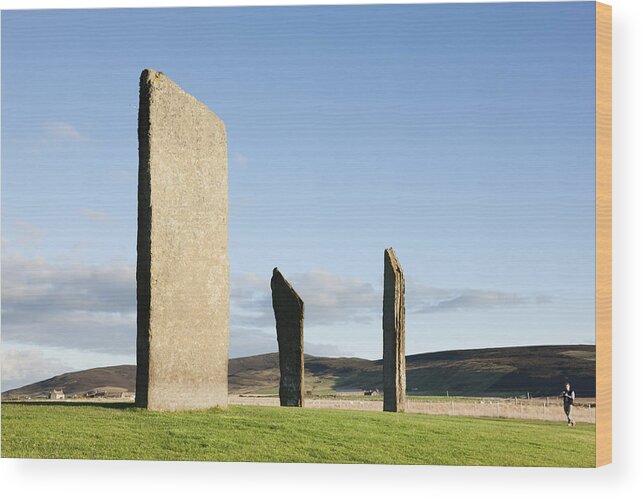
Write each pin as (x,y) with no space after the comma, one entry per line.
(328,299)
(93,308)
(72,305)
(95,215)
(323,350)
(426,300)
(21,367)
(240,159)
(24,233)
(331,299)
(60,130)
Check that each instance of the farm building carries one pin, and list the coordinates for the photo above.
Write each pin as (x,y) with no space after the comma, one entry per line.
(57,394)
(109,392)
(352,392)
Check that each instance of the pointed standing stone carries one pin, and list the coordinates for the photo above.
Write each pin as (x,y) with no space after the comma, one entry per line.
(394,362)
(289,316)
(182,270)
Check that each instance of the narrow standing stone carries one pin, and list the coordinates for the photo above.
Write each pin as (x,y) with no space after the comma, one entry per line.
(394,362)
(289,316)
(182,272)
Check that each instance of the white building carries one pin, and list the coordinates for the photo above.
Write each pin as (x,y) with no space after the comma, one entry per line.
(57,394)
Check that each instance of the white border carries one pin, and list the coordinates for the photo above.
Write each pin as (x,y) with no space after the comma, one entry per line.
(116,479)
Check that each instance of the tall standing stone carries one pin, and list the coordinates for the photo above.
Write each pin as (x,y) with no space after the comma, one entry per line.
(182,272)
(289,316)
(394,361)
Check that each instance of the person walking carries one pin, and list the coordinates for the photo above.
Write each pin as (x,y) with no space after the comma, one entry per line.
(568,396)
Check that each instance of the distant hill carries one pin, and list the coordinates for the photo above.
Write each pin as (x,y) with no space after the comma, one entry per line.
(80,382)
(540,370)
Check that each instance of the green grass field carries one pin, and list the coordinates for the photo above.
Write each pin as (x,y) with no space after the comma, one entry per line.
(275,434)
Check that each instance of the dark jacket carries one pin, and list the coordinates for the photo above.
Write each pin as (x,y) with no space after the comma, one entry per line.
(568,397)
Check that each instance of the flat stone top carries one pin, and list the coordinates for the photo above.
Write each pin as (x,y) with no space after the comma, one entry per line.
(158,80)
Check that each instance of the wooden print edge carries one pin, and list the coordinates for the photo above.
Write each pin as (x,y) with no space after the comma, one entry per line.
(603,234)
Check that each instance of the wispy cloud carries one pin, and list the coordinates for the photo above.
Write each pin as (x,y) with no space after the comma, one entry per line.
(61,130)
(24,233)
(427,300)
(239,159)
(329,299)
(468,299)
(95,215)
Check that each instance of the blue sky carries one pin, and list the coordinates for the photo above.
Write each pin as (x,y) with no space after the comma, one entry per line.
(462,135)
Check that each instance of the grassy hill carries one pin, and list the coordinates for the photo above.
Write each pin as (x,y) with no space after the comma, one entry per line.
(286,434)
(540,370)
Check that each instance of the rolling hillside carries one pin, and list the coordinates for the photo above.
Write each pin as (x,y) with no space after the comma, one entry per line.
(540,370)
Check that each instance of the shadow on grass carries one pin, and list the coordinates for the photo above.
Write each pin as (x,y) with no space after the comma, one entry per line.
(119,406)
(105,405)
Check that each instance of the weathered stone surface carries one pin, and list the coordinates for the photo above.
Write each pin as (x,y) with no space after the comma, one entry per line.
(394,361)
(289,316)
(182,273)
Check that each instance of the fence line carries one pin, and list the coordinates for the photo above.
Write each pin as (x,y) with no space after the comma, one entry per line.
(512,408)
